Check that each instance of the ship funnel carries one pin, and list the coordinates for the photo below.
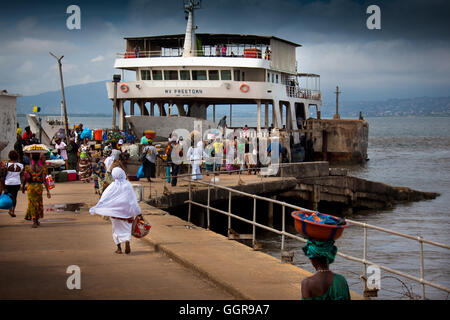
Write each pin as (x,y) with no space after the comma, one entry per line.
(190,41)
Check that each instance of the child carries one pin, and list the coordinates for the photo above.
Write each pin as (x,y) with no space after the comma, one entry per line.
(95,175)
(119,202)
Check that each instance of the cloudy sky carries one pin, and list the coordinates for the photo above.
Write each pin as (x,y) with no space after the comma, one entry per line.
(408,57)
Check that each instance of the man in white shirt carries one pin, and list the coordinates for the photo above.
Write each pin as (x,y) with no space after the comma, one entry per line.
(61,146)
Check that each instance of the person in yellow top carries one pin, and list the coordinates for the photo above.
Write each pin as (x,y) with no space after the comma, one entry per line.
(218,153)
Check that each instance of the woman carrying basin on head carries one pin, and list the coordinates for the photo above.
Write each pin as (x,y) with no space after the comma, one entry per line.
(323,284)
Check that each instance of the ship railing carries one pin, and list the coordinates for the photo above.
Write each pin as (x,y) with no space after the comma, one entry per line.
(303,93)
(286,255)
(179,52)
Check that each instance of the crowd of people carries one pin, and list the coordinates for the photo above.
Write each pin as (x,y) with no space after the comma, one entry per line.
(95,160)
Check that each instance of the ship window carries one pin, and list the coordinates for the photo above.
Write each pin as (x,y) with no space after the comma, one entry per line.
(185,75)
(157,74)
(145,75)
(237,75)
(276,78)
(170,75)
(272,78)
(198,74)
(225,74)
(213,74)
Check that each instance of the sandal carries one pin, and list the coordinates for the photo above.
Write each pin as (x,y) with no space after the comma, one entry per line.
(11,213)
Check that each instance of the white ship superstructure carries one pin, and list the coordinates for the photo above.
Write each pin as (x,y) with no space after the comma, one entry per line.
(178,77)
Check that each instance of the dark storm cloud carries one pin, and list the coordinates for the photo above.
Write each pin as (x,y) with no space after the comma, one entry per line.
(409,56)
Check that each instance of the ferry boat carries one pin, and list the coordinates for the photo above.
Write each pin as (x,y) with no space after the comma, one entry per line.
(180,76)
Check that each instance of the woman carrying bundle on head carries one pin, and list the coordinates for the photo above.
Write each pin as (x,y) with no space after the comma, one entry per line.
(36,176)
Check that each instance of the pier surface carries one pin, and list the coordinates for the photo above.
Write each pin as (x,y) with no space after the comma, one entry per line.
(175,261)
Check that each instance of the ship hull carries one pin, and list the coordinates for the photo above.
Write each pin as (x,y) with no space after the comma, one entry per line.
(48,130)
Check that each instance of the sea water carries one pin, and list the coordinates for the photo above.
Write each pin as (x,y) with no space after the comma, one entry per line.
(412,152)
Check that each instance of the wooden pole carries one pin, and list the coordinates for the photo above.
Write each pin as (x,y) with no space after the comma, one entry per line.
(114,106)
(66,125)
(258,126)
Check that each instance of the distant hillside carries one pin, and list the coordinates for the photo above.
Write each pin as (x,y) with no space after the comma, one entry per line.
(392,107)
(80,99)
(92,98)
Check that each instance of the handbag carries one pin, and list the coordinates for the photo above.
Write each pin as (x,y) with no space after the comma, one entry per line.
(140,174)
(6,201)
(50,182)
(140,227)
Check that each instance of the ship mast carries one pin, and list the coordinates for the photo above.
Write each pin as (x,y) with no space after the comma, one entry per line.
(190,41)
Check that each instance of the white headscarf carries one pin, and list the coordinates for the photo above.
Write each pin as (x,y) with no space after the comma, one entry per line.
(118,199)
(114,156)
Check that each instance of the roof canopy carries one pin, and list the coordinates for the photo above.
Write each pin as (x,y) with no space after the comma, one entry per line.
(212,39)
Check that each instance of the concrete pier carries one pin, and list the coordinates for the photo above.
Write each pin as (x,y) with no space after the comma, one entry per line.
(337,140)
(208,266)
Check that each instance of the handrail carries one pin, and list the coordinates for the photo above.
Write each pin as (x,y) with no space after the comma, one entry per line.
(284,234)
(298,92)
(179,53)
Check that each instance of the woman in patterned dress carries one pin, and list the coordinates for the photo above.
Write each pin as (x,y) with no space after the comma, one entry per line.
(36,177)
(84,164)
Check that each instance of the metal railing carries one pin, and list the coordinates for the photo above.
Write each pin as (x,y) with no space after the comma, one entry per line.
(179,53)
(302,93)
(285,234)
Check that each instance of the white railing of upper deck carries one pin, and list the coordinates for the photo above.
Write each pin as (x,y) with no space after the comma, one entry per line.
(179,53)
(302,93)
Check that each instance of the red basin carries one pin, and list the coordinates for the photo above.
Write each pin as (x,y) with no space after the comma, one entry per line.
(317,231)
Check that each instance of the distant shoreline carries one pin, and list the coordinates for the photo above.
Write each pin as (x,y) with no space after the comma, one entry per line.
(70,115)
(247,115)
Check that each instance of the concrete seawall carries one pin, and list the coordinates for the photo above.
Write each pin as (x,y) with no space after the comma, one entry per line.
(315,184)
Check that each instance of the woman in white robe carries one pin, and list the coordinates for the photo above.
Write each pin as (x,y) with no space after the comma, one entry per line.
(119,202)
(195,156)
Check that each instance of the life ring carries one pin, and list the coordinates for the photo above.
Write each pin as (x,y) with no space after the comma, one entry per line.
(244,87)
(124,88)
